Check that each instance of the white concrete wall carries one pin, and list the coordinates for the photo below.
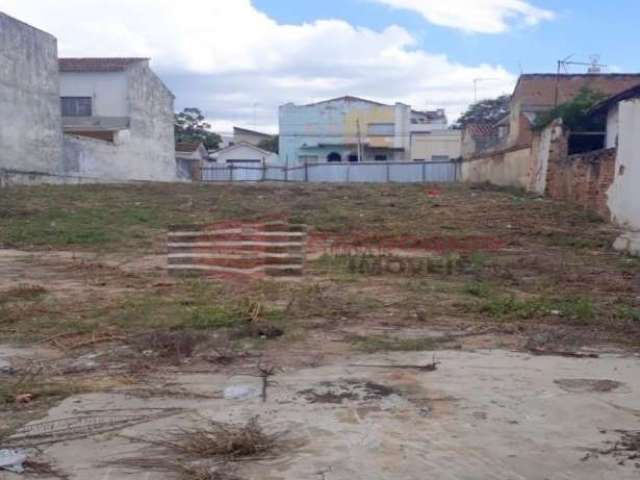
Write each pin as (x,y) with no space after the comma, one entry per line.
(424,146)
(107,89)
(30,122)
(624,199)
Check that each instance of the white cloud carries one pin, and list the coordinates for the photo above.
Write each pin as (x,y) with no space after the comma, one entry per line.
(481,16)
(237,64)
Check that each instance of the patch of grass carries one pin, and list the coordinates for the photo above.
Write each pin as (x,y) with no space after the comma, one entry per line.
(627,312)
(478,289)
(375,344)
(582,242)
(573,310)
(478,260)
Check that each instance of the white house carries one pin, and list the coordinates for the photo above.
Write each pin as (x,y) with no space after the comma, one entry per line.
(117,117)
(245,154)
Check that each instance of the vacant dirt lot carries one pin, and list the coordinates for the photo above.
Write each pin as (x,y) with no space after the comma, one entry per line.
(472,331)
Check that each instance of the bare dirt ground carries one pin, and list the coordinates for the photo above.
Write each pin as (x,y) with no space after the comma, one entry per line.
(524,323)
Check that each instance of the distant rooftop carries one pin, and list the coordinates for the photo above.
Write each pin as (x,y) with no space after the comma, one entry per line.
(347,98)
(539,89)
(115,64)
(189,147)
(251,132)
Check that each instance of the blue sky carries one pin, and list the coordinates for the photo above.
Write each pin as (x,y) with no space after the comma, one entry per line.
(238,60)
(581,27)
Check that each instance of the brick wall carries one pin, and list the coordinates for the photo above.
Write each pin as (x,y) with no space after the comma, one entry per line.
(584,178)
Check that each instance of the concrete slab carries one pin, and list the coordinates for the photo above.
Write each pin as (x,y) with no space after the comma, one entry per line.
(484,415)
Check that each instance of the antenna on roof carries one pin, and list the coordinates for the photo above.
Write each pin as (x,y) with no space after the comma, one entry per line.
(594,65)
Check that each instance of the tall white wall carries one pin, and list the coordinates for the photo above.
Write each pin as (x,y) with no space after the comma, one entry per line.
(624,199)
(30,122)
(107,89)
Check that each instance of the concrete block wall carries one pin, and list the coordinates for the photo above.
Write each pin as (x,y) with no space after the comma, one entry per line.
(31,125)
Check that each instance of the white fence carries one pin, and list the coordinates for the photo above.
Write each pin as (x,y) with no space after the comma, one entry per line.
(379,172)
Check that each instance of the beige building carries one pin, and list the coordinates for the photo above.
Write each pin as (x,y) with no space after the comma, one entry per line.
(437,145)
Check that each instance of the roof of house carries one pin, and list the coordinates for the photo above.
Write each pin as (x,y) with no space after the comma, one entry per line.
(540,89)
(187,147)
(251,132)
(243,144)
(115,64)
(347,98)
(633,92)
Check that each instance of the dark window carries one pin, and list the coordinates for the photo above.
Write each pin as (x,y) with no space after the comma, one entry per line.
(76,106)
(353,157)
(334,157)
(380,158)
(418,159)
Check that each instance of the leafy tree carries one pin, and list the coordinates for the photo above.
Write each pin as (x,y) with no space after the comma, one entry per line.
(485,111)
(270,144)
(574,113)
(191,127)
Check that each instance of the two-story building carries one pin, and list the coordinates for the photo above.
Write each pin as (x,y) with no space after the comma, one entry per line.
(352,129)
(118,119)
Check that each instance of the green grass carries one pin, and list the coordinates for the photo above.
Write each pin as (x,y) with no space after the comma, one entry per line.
(478,289)
(573,310)
(627,312)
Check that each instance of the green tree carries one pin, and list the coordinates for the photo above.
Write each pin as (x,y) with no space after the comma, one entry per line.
(574,113)
(271,144)
(485,111)
(191,127)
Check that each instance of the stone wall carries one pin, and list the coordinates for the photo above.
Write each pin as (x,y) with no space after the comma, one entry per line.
(31,125)
(584,178)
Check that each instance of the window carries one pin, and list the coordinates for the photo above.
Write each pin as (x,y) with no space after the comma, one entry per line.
(380,158)
(382,129)
(418,159)
(440,158)
(334,157)
(76,106)
(353,157)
